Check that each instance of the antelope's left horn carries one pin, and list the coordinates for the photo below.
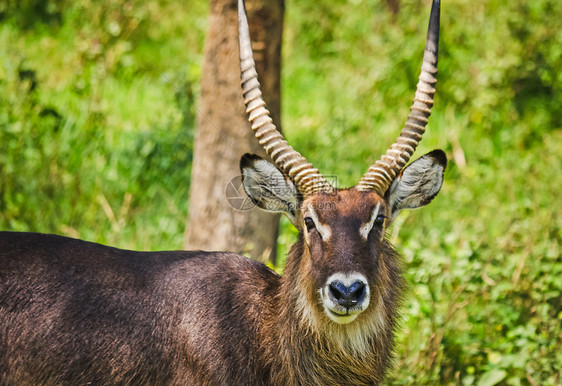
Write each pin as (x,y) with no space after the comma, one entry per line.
(307,178)
(380,175)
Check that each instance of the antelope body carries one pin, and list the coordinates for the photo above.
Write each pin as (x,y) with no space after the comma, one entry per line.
(74,312)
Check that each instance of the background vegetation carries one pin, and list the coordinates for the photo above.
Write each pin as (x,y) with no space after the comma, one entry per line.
(96,135)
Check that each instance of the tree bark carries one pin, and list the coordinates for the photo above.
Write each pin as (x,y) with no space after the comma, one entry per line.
(393,6)
(223,133)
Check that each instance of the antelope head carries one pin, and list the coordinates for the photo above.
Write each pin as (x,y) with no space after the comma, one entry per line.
(343,256)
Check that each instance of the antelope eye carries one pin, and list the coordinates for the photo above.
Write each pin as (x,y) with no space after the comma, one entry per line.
(309,223)
(380,220)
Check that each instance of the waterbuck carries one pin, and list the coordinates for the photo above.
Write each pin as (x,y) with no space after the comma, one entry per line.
(75,312)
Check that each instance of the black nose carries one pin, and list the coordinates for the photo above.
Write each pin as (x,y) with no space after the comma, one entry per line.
(347,296)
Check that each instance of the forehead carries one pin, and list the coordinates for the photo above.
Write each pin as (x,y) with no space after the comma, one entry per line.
(348,203)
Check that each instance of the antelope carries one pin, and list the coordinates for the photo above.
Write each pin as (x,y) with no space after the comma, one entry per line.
(75,312)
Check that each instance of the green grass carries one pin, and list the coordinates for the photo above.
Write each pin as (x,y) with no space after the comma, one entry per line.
(91,120)
(96,142)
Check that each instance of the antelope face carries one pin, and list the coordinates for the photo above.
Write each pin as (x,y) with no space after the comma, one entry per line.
(342,233)
(343,230)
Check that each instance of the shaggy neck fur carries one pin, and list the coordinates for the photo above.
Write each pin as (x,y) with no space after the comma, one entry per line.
(306,347)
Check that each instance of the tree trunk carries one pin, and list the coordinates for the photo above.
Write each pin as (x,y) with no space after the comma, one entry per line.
(393,6)
(224,135)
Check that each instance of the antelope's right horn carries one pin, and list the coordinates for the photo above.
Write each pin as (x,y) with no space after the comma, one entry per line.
(307,178)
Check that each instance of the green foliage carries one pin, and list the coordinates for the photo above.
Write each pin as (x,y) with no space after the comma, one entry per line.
(95,142)
(96,120)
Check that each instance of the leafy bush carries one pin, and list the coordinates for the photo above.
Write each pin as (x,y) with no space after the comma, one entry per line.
(96,126)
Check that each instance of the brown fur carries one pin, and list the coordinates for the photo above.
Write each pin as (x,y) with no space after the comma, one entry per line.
(319,351)
(76,312)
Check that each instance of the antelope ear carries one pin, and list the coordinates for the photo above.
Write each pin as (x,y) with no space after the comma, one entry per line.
(268,188)
(418,183)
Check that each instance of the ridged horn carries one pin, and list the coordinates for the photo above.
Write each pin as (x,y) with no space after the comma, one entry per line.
(380,175)
(306,178)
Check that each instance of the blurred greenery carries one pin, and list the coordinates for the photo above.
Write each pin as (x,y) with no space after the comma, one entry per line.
(96,138)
